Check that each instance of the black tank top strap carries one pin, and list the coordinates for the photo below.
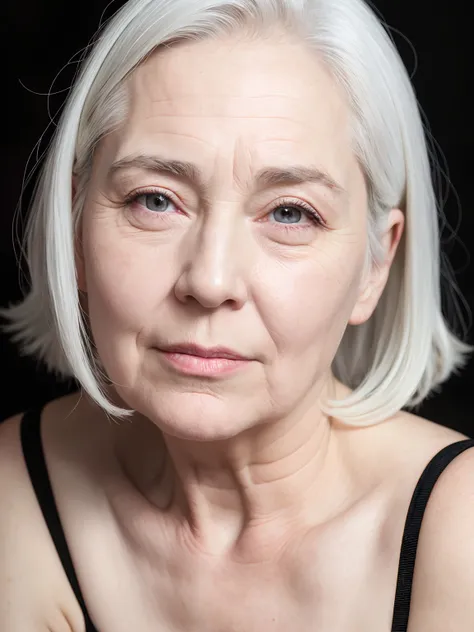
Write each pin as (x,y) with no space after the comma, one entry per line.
(32,446)
(411,533)
(34,457)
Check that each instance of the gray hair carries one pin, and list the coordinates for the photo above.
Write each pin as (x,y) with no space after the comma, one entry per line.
(405,349)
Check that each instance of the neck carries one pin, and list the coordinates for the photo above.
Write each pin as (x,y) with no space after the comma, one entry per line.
(244,494)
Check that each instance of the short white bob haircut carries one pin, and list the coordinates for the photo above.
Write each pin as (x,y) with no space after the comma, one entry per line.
(405,350)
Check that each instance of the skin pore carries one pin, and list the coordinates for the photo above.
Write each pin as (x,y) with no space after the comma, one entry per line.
(239,462)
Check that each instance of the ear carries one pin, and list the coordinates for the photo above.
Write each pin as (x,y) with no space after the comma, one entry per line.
(78,251)
(375,280)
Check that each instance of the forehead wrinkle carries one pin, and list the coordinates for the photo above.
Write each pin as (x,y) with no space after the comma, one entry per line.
(266,177)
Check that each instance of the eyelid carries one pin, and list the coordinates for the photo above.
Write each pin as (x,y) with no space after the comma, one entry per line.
(302,205)
(313,214)
(134,195)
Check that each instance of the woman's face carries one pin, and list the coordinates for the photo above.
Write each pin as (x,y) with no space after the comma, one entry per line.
(257,244)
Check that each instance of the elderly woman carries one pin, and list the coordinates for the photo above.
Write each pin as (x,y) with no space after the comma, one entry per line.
(233,248)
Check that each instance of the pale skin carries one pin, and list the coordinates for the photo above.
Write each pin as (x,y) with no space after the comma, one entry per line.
(226,273)
(230,503)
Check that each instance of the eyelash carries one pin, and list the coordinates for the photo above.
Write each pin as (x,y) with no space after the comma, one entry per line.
(312,215)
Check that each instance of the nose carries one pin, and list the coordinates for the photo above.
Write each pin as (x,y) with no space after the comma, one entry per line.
(213,271)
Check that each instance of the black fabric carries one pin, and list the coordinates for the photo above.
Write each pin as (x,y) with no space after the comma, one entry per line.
(35,461)
(34,457)
(411,533)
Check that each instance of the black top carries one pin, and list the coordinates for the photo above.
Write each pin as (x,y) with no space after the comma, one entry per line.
(34,457)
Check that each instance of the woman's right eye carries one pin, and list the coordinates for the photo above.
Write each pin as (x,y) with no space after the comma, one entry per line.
(154,202)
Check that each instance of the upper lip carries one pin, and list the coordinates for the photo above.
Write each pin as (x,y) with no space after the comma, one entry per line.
(204,352)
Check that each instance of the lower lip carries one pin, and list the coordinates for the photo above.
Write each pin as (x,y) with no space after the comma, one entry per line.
(197,365)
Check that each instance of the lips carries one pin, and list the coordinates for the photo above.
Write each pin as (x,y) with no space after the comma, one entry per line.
(203,362)
(204,352)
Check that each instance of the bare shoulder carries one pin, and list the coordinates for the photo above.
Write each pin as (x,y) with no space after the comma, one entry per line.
(414,441)
(407,442)
(423,430)
(394,455)
(391,457)
(34,592)
(443,581)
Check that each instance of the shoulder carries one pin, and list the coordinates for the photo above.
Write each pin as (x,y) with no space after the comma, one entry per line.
(33,588)
(394,453)
(443,581)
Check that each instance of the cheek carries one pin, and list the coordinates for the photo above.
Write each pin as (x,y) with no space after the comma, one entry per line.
(309,304)
(127,278)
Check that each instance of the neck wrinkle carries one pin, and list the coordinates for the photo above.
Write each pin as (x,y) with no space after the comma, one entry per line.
(231,503)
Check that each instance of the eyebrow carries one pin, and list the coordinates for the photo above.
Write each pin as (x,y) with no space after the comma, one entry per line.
(266,177)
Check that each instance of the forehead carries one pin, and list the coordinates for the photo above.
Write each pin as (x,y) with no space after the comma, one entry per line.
(258,99)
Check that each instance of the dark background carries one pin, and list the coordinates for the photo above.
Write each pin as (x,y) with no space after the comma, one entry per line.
(41,41)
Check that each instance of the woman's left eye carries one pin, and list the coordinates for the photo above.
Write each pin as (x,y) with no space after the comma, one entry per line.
(293,213)
(154,202)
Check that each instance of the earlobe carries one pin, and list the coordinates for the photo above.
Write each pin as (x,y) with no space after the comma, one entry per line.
(369,296)
(376,280)
(365,305)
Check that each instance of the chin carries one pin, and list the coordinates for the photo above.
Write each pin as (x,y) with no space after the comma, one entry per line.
(195,416)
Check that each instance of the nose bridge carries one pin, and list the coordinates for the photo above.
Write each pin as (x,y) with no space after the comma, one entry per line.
(215,267)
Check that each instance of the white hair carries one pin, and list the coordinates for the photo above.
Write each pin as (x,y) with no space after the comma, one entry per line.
(405,349)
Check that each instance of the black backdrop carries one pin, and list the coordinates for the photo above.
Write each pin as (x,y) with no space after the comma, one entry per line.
(42,39)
